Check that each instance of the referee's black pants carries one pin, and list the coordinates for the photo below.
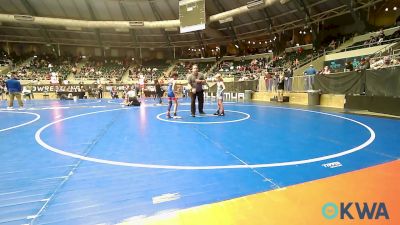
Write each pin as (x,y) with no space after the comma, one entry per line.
(200,97)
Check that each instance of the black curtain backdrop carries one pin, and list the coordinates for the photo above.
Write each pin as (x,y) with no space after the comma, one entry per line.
(381,82)
(340,83)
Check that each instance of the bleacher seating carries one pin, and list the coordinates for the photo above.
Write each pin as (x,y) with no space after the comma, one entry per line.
(106,68)
(294,59)
(375,39)
(184,68)
(157,67)
(41,67)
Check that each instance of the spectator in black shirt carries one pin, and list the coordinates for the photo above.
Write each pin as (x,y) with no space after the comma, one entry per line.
(281,86)
(349,66)
(364,65)
(288,79)
(100,92)
(158,91)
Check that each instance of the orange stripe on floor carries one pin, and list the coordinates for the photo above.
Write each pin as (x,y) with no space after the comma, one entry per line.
(301,204)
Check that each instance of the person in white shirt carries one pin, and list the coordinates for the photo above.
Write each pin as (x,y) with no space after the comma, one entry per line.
(326,70)
(26,93)
(220,95)
(131,98)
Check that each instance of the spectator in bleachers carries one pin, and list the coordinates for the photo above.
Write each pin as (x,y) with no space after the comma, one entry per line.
(325,70)
(288,79)
(300,50)
(372,41)
(364,65)
(381,34)
(332,45)
(296,63)
(349,67)
(380,40)
(396,61)
(387,62)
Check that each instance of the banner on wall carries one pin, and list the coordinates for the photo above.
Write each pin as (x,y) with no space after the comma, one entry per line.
(53,88)
(338,65)
(236,87)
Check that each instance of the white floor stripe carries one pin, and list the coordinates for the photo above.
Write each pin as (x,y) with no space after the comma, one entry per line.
(176,167)
(20,125)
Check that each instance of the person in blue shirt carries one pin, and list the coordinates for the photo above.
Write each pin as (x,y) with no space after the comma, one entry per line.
(14,89)
(309,78)
(310,71)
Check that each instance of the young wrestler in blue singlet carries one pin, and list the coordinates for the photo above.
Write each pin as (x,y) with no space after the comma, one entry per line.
(172,96)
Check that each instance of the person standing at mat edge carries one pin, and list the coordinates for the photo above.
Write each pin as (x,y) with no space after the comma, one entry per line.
(196,81)
(281,86)
(158,90)
(220,95)
(172,96)
(14,90)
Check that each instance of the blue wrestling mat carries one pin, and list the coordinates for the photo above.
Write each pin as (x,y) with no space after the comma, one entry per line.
(97,162)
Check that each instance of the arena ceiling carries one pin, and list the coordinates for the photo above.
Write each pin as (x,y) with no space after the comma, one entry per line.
(259,23)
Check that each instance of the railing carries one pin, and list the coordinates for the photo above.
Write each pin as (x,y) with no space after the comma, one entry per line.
(381,51)
(306,82)
(292,84)
(307,61)
(5,62)
(371,45)
(199,60)
(295,48)
(366,36)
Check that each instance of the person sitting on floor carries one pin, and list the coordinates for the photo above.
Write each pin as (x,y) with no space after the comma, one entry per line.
(131,98)
(66,97)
